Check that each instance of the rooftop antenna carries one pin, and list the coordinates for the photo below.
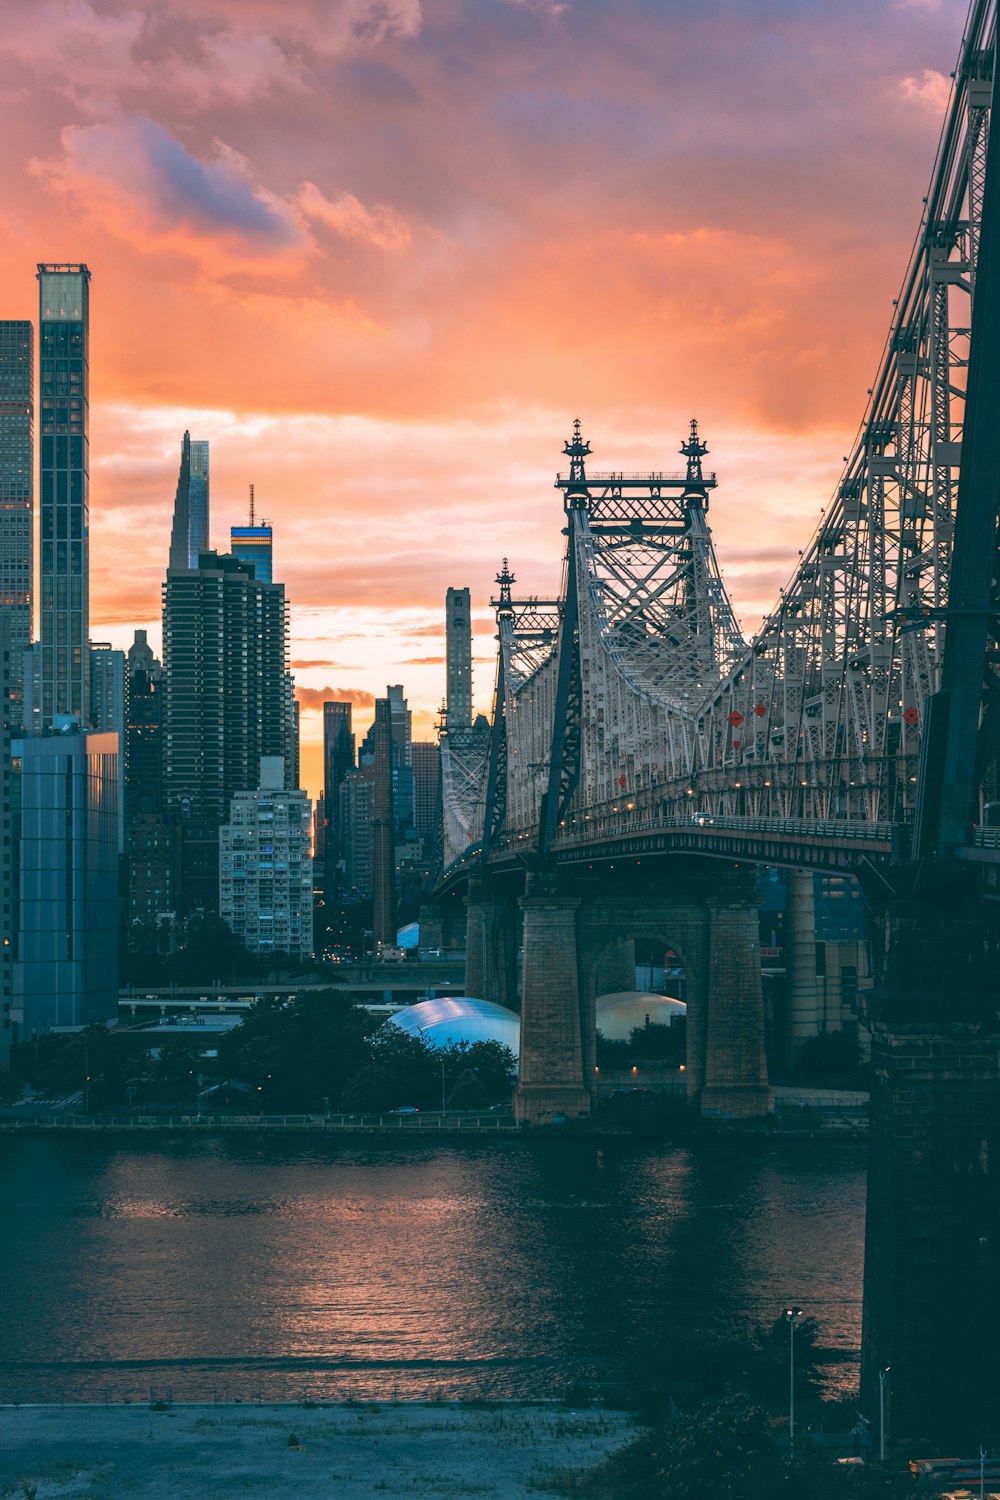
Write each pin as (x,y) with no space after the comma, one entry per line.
(251,505)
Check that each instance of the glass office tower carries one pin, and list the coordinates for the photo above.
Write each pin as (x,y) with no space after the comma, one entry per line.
(16,497)
(189,533)
(252,544)
(64,462)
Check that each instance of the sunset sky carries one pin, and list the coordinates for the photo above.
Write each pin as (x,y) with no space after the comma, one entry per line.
(380,253)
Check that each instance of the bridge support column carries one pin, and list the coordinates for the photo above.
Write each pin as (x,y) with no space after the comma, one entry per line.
(551,1075)
(500,951)
(802,1009)
(475,940)
(932,1241)
(730,1061)
(491,945)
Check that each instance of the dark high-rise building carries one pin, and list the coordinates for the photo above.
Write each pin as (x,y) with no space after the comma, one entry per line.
(427,793)
(383,831)
(7,906)
(143,728)
(354,825)
(64,499)
(458,649)
(107,688)
(16,496)
(189,533)
(225,665)
(153,841)
(400,721)
(338,759)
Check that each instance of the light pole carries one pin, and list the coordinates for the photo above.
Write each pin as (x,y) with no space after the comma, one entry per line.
(792,1316)
(883,1376)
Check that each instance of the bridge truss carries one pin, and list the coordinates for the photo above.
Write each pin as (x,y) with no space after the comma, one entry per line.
(635,690)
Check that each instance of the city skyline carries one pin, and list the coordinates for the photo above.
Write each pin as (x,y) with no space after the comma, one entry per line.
(349,290)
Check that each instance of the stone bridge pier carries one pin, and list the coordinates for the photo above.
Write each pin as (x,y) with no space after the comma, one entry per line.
(491,940)
(932,1244)
(579,942)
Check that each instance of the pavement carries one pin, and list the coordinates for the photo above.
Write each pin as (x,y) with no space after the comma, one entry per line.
(363,1452)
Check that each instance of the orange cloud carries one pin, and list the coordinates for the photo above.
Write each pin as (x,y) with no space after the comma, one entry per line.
(314,698)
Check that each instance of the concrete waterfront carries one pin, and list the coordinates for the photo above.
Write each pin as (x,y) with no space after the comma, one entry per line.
(355,1452)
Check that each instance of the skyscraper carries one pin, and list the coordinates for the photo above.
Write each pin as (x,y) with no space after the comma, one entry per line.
(66,963)
(383,824)
(400,720)
(189,533)
(7,903)
(225,665)
(224,662)
(338,759)
(64,500)
(252,544)
(16,496)
(107,689)
(458,655)
(427,793)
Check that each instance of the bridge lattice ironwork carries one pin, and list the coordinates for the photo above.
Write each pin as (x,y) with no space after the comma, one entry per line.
(635,689)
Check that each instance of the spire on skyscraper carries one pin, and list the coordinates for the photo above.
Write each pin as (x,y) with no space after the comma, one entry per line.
(189,533)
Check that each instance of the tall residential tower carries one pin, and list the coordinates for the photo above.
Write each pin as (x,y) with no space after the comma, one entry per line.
(16,496)
(64,462)
(458,647)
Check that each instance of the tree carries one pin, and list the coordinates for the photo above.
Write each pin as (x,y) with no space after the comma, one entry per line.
(723,1449)
(493,1064)
(730,1450)
(654,1040)
(10,1088)
(468,1092)
(297,1053)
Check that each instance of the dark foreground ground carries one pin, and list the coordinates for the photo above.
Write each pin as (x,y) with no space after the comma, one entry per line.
(341,1453)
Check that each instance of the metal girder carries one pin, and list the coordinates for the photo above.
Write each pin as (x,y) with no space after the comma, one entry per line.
(637,679)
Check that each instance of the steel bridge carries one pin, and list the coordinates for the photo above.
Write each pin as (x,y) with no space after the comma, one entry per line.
(643,757)
(633,698)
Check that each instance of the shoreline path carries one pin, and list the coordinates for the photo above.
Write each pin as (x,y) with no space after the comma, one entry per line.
(365,1452)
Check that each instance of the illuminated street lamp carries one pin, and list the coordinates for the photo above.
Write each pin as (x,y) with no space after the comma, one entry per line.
(792,1316)
(883,1376)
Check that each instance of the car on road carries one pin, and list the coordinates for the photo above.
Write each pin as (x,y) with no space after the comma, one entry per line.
(406,1109)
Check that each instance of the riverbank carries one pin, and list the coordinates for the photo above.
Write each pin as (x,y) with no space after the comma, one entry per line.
(799,1114)
(363,1452)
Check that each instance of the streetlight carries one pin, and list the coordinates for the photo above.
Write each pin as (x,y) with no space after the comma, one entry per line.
(883,1376)
(792,1316)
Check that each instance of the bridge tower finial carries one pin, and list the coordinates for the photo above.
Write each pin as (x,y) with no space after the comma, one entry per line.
(505,578)
(694,451)
(576,451)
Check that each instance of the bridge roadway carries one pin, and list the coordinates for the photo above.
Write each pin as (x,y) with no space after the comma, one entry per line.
(642,831)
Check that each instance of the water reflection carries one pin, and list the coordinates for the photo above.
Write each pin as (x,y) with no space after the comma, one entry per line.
(507,1268)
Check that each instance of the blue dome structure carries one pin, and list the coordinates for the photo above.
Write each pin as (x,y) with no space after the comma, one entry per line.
(457,1018)
(618,1015)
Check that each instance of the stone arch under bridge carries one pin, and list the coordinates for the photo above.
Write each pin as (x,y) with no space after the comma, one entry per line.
(570,938)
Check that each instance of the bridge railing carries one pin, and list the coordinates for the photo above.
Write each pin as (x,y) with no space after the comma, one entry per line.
(654,813)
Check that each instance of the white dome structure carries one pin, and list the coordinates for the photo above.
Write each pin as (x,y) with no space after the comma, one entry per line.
(457,1018)
(618,1015)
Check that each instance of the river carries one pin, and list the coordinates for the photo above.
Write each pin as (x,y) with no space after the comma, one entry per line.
(232,1267)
